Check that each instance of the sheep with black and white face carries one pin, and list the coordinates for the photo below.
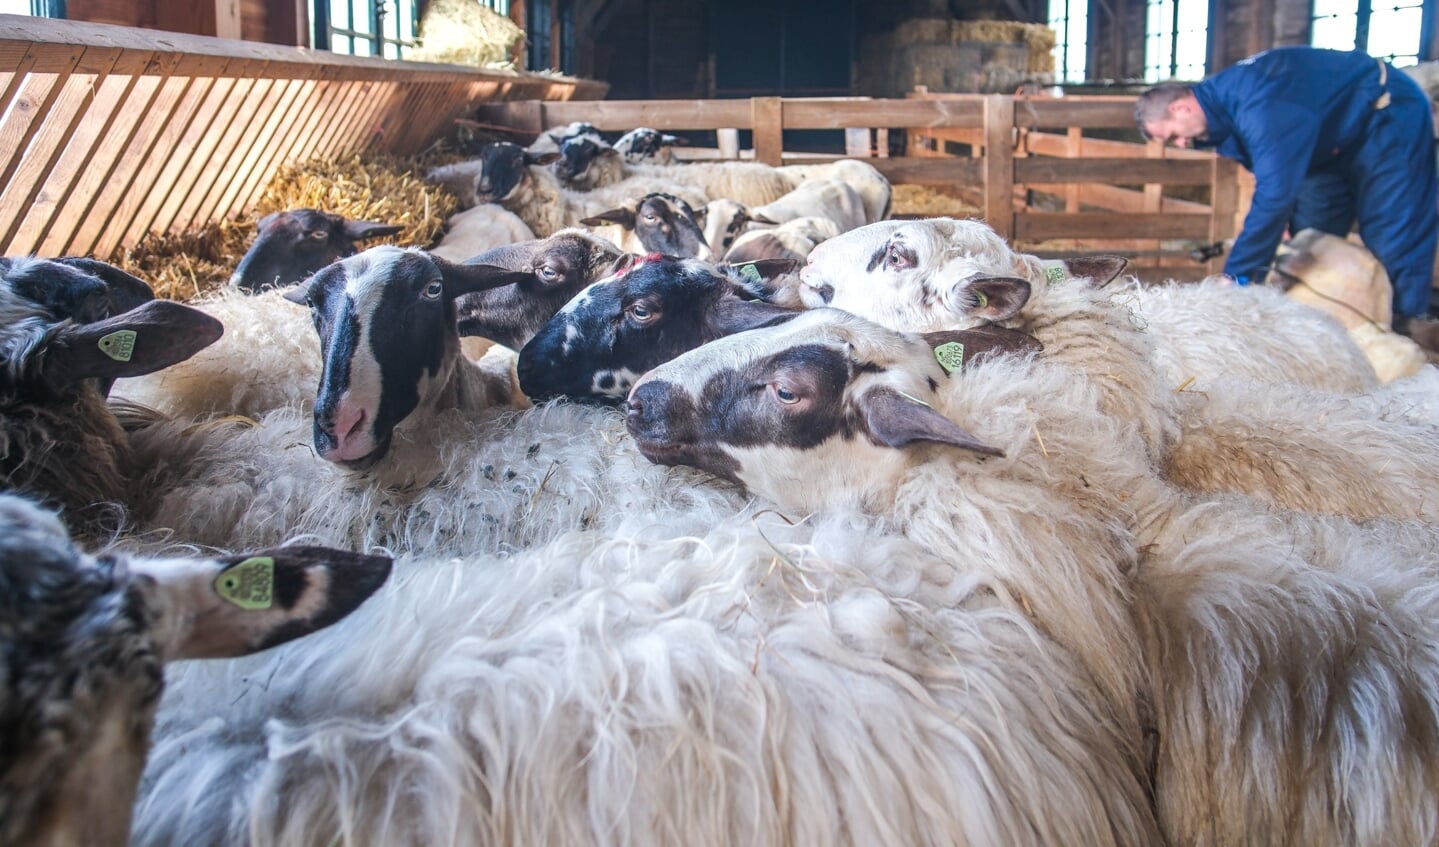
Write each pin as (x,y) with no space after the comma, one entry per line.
(293,244)
(83,640)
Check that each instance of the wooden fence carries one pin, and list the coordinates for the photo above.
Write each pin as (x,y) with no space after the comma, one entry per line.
(1110,194)
(107,133)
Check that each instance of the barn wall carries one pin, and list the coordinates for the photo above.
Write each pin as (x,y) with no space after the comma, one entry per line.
(272,21)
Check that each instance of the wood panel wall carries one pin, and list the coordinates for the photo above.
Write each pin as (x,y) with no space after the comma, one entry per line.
(107,133)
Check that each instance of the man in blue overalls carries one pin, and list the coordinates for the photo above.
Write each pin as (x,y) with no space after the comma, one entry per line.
(1331,137)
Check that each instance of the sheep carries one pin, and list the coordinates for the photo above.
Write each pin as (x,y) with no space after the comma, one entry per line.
(621,326)
(1291,658)
(724,221)
(83,639)
(550,140)
(504,173)
(925,275)
(654,223)
(590,165)
(478,229)
(643,143)
(58,440)
(863,177)
(745,681)
(794,239)
(293,244)
(828,198)
(270,358)
(1345,280)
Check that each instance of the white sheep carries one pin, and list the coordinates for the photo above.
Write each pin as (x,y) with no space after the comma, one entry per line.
(83,639)
(1157,362)
(1292,659)
(740,681)
(480,228)
(863,177)
(793,239)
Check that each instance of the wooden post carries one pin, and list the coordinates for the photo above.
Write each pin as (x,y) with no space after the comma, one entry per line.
(728,142)
(1154,193)
(767,118)
(1224,198)
(999,164)
(856,142)
(1074,148)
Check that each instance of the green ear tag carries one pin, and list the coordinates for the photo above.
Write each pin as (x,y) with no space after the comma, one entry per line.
(950,356)
(249,584)
(750,272)
(119,345)
(1054,273)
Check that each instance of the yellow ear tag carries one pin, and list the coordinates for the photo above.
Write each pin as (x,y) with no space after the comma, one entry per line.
(950,356)
(749,272)
(1054,273)
(118,345)
(249,584)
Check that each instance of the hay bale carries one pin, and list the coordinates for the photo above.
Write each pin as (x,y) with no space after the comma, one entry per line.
(911,200)
(464,32)
(182,266)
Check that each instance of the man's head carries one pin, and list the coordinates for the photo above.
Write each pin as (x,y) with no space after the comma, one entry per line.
(1171,113)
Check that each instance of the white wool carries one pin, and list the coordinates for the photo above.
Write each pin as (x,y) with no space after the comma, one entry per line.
(873,187)
(751,183)
(797,235)
(829,199)
(752,682)
(547,207)
(1390,354)
(478,229)
(268,358)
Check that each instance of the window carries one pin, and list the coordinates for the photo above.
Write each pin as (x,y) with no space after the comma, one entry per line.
(1176,39)
(541,30)
(1388,29)
(38,8)
(1070,21)
(365,27)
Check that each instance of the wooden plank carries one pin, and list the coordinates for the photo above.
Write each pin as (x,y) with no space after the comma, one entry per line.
(1113,171)
(190,175)
(1055,144)
(999,164)
(930,170)
(660,114)
(323,101)
(1074,149)
(47,141)
(85,133)
(881,142)
(249,143)
(1042,225)
(24,116)
(840,112)
(171,153)
(115,197)
(260,153)
(768,122)
(1112,198)
(1034,113)
(341,96)
(276,147)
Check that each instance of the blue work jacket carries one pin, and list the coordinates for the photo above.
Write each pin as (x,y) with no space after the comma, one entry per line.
(1282,114)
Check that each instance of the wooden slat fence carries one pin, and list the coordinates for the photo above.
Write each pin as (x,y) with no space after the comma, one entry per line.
(107,133)
(1110,193)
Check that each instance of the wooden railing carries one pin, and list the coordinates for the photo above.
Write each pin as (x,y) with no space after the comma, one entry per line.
(1019,145)
(107,133)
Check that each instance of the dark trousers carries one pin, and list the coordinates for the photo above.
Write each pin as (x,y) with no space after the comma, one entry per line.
(1388,184)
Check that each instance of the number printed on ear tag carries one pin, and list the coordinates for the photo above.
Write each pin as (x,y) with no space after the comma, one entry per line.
(1054,273)
(950,356)
(249,584)
(119,345)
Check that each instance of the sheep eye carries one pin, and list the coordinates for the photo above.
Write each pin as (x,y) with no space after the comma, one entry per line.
(547,273)
(897,258)
(787,397)
(642,313)
(319,234)
(434,290)
(649,218)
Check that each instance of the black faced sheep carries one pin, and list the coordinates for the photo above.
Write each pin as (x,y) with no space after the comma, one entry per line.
(83,640)
(291,245)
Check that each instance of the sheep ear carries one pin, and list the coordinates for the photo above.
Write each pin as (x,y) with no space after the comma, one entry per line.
(1099,270)
(465,279)
(957,349)
(898,420)
(542,159)
(126,291)
(622,216)
(299,294)
(143,340)
(731,315)
(998,297)
(360,230)
(231,606)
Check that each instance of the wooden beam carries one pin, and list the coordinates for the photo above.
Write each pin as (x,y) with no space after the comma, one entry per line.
(1042,225)
(1114,171)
